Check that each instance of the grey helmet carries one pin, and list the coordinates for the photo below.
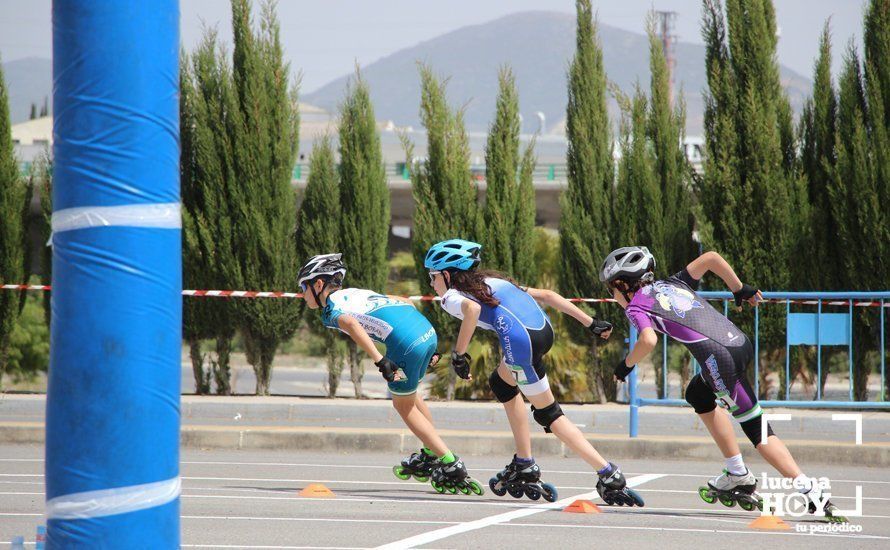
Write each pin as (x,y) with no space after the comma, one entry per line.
(629,263)
(328,266)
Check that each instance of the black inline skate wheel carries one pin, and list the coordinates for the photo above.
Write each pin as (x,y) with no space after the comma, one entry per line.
(634,498)
(726,501)
(550,494)
(499,490)
(515,492)
(747,505)
(532,492)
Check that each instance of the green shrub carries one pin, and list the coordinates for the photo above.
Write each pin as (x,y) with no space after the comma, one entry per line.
(29,343)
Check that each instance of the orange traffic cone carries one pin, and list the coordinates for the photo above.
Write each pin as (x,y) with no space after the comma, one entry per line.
(772,523)
(582,507)
(317,490)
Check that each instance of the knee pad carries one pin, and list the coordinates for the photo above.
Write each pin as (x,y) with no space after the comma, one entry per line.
(502,391)
(700,396)
(753,429)
(548,415)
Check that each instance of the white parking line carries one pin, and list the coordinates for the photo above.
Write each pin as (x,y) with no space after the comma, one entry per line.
(373,467)
(445,532)
(323,520)
(273,547)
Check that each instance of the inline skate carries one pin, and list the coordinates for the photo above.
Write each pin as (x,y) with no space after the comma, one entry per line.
(522,479)
(419,465)
(453,478)
(730,489)
(613,489)
(832,512)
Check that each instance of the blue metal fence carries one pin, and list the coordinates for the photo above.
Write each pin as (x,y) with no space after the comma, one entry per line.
(800,332)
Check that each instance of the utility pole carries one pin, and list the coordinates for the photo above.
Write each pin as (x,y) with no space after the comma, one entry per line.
(666,24)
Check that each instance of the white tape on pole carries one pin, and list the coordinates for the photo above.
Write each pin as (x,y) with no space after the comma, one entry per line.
(107,502)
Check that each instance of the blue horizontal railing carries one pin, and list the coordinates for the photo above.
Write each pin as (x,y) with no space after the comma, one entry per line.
(776,299)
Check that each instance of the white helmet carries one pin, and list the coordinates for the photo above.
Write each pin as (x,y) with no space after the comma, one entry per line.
(328,266)
(630,264)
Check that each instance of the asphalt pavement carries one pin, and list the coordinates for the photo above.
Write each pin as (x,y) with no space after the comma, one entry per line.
(249,499)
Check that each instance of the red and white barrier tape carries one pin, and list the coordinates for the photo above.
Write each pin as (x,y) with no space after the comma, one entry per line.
(274,294)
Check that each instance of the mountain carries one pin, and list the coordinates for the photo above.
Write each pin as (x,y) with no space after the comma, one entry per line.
(28,80)
(539,47)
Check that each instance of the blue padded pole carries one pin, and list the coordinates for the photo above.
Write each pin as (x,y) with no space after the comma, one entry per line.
(787,355)
(633,396)
(112,420)
(850,349)
(819,352)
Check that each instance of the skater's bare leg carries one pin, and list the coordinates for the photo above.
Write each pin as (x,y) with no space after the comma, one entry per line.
(420,425)
(517,415)
(720,427)
(422,407)
(776,453)
(568,433)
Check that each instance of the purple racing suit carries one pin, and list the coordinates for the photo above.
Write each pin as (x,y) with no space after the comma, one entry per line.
(673,308)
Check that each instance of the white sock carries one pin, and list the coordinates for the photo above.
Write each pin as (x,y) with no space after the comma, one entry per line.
(736,465)
(803,482)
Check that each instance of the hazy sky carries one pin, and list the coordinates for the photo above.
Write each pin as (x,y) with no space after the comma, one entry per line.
(324,38)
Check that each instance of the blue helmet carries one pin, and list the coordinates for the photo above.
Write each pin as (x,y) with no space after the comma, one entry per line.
(453,254)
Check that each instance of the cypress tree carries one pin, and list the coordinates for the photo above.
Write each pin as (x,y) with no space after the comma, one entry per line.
(817,138)
(445,194)
(666,127)
(318,231)
(364,200)
(525,268)
(751,191)
(719,193)
(877,84)
(501,164)
(265,136)
(208,111)
(586,204)
(854,195)
(14,199)
(193,326)
(877,87)
(642,216)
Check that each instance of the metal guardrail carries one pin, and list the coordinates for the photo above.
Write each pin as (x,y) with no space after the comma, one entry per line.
(819,299)
(399,170)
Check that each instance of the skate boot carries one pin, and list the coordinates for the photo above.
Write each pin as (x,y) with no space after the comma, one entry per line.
(832,514)
(453,478)
(613,489)
(522,478)
(419,464)
(730,488)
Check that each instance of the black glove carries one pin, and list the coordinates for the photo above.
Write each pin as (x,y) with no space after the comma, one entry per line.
(743,294)
(461,364)
(621,371)
(598,327)
(388,369)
